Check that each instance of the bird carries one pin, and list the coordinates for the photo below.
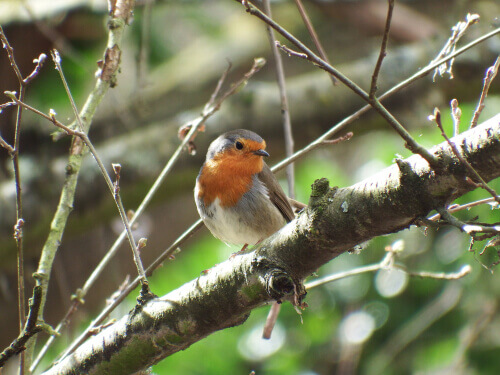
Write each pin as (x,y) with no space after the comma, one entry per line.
(237,196)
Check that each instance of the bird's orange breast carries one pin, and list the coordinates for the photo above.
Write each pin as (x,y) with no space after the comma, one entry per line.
(227,176)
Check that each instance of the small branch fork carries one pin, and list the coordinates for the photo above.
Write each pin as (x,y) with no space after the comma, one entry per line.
(30,329)
(411,144)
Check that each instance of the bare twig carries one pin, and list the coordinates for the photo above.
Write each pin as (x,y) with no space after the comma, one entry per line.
(184,129)
(287,125)
(388,262)
(345,137)
(473,173)
(5,145)
(291,52)
(464,271)
(457,207)
(18,232)
(271,319)
(383,49)
(490,75)
(57,61)
(313,35)
(471,229)
(456,114)
(113,187)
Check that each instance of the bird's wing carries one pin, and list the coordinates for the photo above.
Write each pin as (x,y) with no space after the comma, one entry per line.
(276,193)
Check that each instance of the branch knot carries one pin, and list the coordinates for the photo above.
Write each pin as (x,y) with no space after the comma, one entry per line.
(279,284)
(321,192)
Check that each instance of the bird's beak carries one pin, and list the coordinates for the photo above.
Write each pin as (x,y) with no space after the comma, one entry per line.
(261,153)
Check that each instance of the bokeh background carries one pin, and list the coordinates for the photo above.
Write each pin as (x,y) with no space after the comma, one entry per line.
(173,54)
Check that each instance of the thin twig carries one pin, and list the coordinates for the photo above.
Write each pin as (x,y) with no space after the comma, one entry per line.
(383,49)
(437,118)
(57,61)
(18,230)
(490,75)
(457,207)
(5,145)
(471,229)
(464,271)
(285,113)
(313,35)
(39,64)
(411,144)
(456,114)
(386,262)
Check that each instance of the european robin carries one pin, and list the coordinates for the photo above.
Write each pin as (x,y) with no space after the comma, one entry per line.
(237,195)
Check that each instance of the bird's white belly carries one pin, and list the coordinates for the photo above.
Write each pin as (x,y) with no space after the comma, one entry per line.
(227,225)
(253,219)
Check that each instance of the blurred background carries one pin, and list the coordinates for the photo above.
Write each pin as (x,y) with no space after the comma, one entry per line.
(173,55)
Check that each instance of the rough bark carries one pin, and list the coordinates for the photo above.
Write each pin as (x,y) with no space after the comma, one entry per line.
(335,221)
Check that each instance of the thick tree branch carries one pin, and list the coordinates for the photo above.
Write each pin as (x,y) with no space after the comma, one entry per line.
(334,222)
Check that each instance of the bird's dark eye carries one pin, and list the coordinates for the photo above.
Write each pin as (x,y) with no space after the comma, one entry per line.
(239,145)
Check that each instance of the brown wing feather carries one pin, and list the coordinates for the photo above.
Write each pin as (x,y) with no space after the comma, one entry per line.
(276,193)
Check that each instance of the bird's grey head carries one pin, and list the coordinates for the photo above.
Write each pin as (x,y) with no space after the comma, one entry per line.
(229,139)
